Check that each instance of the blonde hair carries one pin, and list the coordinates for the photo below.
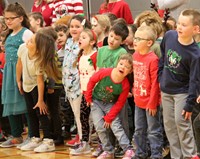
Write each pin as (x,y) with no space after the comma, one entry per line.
(149,32)
(104,21)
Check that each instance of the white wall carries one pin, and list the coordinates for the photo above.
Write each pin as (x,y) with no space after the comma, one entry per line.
(136,6)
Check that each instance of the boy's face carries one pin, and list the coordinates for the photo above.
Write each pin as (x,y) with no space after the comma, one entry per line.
(185,27)
(62,38)
(141,41)
(124,67)
(114,41)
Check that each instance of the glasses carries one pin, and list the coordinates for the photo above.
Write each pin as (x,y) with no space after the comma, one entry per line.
(137,39)
(11,18)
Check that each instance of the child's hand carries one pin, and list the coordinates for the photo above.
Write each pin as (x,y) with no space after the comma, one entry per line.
(106,125)
(19,84)
(50,91)
(42,106)
(152,112)
(198,99)
(187,115)
(89,104)
(130,95)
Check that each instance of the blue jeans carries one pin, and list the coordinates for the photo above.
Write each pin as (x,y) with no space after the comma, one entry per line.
(100,109)
(147,129)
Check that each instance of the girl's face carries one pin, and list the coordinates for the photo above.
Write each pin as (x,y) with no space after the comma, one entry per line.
(75,29)
(124,67)
(62,38)
(84,41)
(30,44)
(97,29)
(12,20)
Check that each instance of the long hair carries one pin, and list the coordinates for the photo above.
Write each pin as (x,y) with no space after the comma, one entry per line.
(45,52)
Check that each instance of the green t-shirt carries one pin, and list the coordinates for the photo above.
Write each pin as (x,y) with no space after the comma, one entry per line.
(108,58)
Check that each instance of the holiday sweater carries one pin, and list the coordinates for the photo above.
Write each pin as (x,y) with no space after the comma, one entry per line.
(67,7)
(146,87)
(108,91)
(179,68)
(87,67)
(120,8)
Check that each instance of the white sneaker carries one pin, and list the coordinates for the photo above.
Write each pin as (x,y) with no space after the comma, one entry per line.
(46,146)
(33,143)
(83,148)
(26,141)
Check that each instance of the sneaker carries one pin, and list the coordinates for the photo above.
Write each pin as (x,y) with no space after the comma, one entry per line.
(83,148)
(119,152)
(97,151)
(26,141)
(32,144)
(12,141)
(46,146)
(106,155)
(128,154)
(73,141)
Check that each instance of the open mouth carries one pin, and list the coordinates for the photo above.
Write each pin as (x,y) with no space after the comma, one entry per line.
(121,71)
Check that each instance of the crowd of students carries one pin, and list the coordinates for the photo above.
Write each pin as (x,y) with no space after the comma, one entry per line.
(137,84)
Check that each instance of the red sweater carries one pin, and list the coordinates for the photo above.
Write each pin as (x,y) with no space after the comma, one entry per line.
(46,9)
(2,63)
(120,8)
(108,91)
(146,87)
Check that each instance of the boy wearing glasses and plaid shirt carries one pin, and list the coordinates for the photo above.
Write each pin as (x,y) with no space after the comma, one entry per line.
(146,95)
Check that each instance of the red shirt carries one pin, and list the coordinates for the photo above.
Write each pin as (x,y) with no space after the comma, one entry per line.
(2,63)
(47,11)
(120,9)
(146,87)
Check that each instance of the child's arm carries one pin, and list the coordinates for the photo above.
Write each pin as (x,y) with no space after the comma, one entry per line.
(154,92)
(40,104)
(19,75)
(116,108)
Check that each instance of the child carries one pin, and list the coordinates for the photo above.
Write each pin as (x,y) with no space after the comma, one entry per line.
(101,26)
(108,55)
(71,79)
(177,75)
(36,21)
(106,101)
(14,103)
(34,57)
(146,95)
(66,112)
(87,67)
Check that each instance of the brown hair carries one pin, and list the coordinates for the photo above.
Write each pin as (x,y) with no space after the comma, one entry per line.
(36,16)
(45,52)
(194,14)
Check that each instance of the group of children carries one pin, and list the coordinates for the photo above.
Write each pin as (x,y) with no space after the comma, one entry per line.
(101,66)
